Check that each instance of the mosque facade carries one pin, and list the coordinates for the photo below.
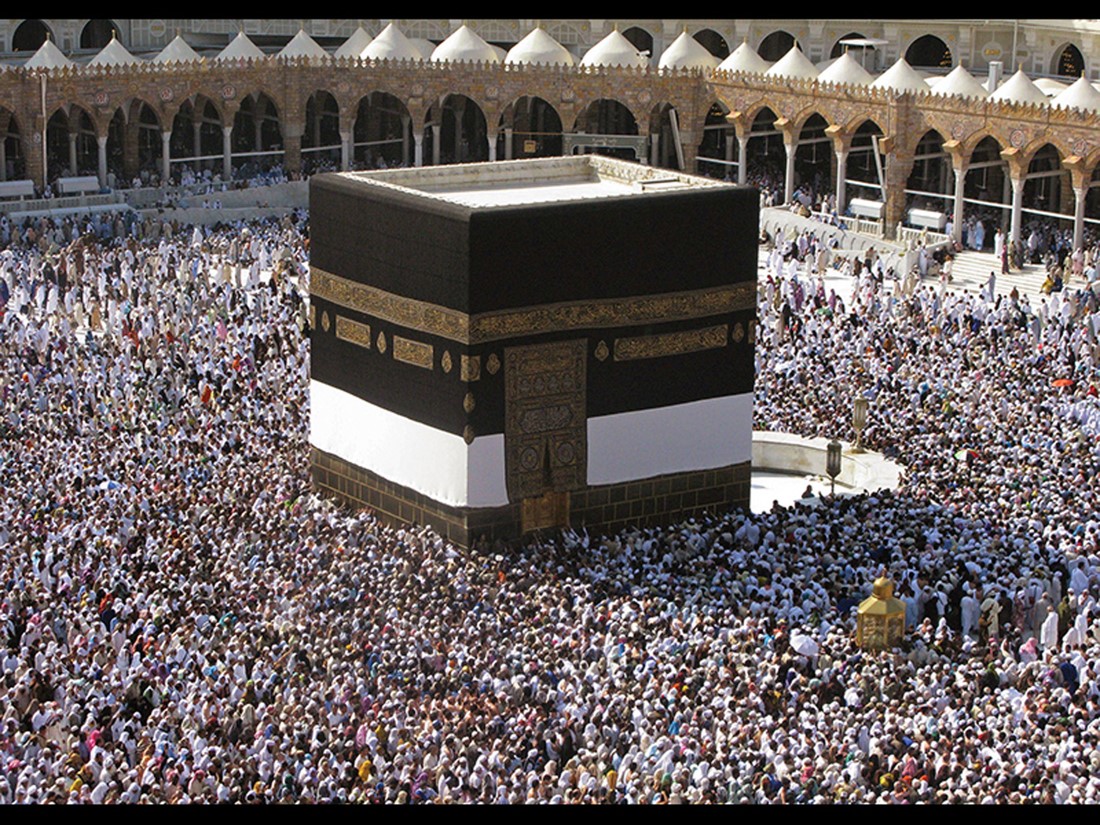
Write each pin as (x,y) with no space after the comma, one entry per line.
(948,116)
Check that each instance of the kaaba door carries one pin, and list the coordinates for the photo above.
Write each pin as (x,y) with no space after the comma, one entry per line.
(545,429)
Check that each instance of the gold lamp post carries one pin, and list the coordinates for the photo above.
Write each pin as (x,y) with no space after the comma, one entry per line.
(881,620)
(859,421)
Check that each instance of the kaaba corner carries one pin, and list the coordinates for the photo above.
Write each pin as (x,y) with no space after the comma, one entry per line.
(505,347)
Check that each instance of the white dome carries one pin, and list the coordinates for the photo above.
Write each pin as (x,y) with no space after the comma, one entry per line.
(48,56)
(464,45)
(240,48)
(540,47)
(1081,95)
(302,45)
(391,44)
(114,54)
(1019,89)
(424,46)
(177,52)
(744,59)
(354,45)
(614,50)
(1050,87)
(902,78)
(687,53)
(958,82)
(846,69)
(793,64)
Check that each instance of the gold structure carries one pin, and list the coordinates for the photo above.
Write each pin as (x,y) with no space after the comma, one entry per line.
(881,622)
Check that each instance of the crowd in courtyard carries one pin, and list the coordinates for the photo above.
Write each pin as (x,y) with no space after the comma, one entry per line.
(183,620)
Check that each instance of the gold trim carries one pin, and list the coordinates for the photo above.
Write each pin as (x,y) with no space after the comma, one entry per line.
(671,343)
(469,369)
(602,351)
(381,342)
(352,331)
(493,364)
(416,353)
(446,362)
(312,317)
(326,324)
(468,403)
(491,326)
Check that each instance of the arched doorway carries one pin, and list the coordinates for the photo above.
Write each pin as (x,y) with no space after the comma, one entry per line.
(863,169)
(321,143)
(812,160)
(1043,187)
(382,133)
(12,162)
(640,39)
(257,139)
(928,52)
(97,33)
(987,190)
(197,143)
(714,155)
(766,158)
(775,45)
(456,131)
(605,118)
(71,147)
(30,35)
(713,42)
(931,182)
(1092,208)
(838,49)
(1068,62)
(529,128)
(664,137)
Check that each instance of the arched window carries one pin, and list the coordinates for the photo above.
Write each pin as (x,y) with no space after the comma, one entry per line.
(775,45)
(713,42)
(928,51)
(640,39)
(838,49)
(96,34)
(29,36)
(1068,62)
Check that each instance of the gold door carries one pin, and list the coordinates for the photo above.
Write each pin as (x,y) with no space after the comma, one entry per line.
(545,429)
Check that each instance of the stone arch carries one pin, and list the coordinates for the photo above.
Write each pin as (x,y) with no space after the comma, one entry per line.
(765,159)
(1047,180)
(30,35)
(532,120)
(716,143)
(76,155)
(382,131)
(776,44)
(197,142)
(12,152)
(929,51)
(257,138)
(987,189)
(1067,60)
(456,130)
(861,172)
(321,141)
(713,42)
(813,154)
(662,137)
(930,184)
(608,116)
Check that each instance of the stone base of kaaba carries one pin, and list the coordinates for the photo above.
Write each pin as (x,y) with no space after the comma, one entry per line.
(657,501)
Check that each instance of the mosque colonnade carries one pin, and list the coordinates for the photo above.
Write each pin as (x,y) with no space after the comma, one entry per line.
(859,141)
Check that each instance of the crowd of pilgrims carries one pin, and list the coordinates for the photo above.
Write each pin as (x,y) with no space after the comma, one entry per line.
(183,620)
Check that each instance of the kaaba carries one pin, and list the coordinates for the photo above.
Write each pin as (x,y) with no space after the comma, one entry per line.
(505,347)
